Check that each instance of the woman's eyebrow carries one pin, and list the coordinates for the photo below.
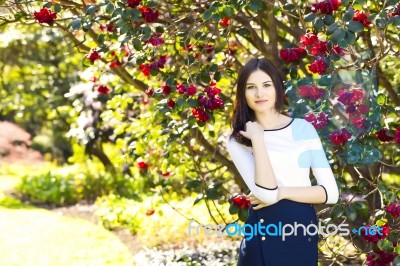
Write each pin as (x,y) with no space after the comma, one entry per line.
(262,83)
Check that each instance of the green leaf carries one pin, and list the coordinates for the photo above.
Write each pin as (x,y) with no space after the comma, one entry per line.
(193,184)
(198,198)
(288,7)
(381,23)
(337,211)
(243,213)
(205,77)
(57,8)
(255,5)
(396,261)
(348,15)
(355,26)
(310,17)
(216,17)
(325,80)
(192,103)
(381,99)
(109,8)
(382,187)
(217,76)
(318,23)
(100,38)
(137,44)
(243,32)
(228,11)
(233,209)
(328,20)
(331,29)
(338,35)
(75,24)
(212,194)
(207,14)
(351,213)
(90,9)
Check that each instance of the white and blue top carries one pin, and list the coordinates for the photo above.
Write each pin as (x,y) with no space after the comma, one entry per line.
(292,150)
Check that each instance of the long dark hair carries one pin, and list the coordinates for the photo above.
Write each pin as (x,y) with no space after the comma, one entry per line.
(241,111)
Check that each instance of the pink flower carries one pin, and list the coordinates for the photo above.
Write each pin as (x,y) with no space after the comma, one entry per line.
(145,69)
(337,50)
(191,90)
(318,66)
(319,121)
(311,92)
(142,165)
(308,39)
(397,135)
(394,209)
(375,238)
(45,15)
(339,137)
(156,39)
(292,54)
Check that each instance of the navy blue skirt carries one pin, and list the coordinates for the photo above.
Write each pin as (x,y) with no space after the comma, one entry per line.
(267,241)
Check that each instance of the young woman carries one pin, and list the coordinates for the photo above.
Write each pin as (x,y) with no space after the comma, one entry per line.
(274,153)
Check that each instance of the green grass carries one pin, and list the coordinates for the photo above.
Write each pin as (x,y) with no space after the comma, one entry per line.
(34,236)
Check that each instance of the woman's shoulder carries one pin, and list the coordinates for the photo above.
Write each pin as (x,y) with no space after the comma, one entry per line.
(303,129)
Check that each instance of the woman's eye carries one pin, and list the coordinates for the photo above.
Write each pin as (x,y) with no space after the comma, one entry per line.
(250,87)
(266,85)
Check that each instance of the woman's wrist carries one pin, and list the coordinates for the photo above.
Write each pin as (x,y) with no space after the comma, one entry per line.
(257,139)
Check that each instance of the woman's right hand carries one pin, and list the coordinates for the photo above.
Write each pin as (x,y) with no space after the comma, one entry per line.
(252,131)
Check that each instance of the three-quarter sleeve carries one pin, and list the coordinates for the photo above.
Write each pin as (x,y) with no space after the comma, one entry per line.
(320,166)
(244,162)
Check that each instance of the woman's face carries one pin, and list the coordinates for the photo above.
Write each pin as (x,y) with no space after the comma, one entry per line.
(260,92)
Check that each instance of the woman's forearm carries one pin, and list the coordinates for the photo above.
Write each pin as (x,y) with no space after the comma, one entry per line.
(312,195)
(264,174)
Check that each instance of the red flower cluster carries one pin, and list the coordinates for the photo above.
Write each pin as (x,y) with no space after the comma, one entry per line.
(94,55)
(311,92)
(200,114)
(292,54)
(170,103)
(45,15)
(382,135)
(394,209)
(108,27)
(318,66)
(348,97)
(115,63)
(156,39)
(142,165)
(149,92)
(188,91)
(133,3)
(166,89)
(149,14)
(224,22)
(319,48)
(326,7)
(361,17)
(340,136)
(241,201)
(155,65)
(308,39)
(375,238)
(380,258)
(210,100)
(319,121)
(337,50)
(103,89)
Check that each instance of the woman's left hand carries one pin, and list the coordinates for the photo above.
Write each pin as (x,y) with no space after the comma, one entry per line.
(255,201)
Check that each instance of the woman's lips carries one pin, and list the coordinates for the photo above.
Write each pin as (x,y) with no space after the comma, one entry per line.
(264,101)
